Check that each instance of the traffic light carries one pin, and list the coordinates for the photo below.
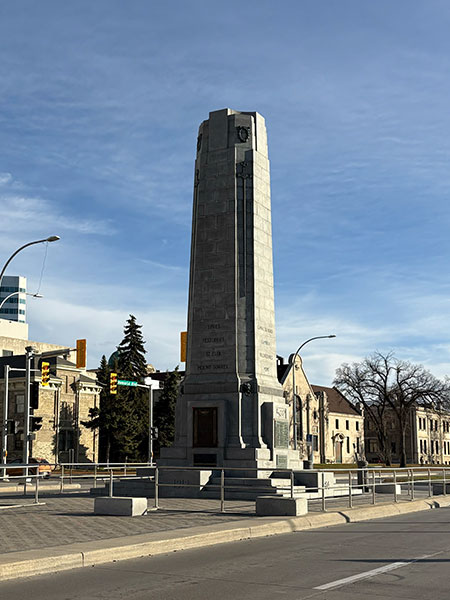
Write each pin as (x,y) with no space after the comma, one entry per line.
(45,373)
(34,395)
(36,423)
(113,383)
(154,433)
(81,354)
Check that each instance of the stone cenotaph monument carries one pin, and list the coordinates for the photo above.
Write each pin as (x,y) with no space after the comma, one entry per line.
(231,411)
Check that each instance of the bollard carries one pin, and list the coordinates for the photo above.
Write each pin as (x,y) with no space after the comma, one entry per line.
(292,483)
(156,486)
(61,487)
(373,487)
(395,486)
(444,491)
(111,483)
(222,491)
(350,499)
(430,491)
(36,490)
(95,476)
(323,493)
(412,484)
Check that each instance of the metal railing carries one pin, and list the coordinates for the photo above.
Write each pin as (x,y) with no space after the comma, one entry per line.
(349,487)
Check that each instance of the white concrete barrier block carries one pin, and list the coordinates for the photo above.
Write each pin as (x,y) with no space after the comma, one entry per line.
(267,506)
(120,506)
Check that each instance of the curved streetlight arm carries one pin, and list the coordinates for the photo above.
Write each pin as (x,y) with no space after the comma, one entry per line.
(14,294)
(52,238)
(317,337)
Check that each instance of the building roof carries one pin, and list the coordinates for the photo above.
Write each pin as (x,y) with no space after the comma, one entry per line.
(337,402)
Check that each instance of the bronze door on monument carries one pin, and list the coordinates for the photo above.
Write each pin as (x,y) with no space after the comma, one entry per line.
(205,427)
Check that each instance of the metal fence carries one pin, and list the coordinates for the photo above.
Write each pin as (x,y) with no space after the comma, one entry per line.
(343,488)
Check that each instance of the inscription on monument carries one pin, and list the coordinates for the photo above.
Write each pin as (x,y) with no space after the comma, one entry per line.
(281,434)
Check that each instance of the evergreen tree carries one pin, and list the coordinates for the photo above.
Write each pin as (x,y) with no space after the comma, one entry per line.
(104,416)
(164,417)
(131,437)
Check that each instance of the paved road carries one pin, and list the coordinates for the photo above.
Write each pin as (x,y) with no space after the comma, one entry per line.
(410,555)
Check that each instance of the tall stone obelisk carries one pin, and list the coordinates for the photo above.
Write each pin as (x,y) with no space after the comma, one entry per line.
(231,411)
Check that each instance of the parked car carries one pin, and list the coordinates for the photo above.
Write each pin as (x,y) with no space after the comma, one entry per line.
(44,469)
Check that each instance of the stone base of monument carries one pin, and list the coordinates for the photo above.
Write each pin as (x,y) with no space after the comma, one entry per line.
(120,506)
(273,506)
(388,488)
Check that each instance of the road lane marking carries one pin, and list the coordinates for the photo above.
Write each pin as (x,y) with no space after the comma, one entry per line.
(364,575)
(373,572)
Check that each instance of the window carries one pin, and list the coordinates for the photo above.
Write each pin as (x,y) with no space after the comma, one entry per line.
(432,446)
(337,423)
(348,445)
(373,446)
(436,443)
(357,425)
(347,424)
(421,445)
(424,445)
(20,402)
(357,444)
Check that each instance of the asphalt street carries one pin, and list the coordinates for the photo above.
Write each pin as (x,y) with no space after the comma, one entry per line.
(404,557)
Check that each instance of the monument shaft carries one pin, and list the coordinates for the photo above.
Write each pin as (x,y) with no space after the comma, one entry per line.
(232,411)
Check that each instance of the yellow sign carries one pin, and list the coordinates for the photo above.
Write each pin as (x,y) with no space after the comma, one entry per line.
(183,346)
(81,354)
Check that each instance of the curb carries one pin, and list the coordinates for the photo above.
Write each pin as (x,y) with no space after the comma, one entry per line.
(60,558)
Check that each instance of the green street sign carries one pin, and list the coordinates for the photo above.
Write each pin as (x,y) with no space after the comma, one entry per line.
(126,382)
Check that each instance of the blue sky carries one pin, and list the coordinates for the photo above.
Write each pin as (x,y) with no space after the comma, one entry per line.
(100,103)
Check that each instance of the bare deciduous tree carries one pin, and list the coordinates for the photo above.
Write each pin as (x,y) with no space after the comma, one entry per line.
(388,386)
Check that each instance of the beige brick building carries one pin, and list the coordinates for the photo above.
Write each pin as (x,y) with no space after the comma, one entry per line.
(327,422)
(427,437)
(63,404)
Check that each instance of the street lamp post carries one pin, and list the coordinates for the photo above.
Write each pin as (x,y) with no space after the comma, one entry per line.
(293,359)
(52,238)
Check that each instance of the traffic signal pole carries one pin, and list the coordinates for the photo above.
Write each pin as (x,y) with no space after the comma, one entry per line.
(26,425)
(5,421)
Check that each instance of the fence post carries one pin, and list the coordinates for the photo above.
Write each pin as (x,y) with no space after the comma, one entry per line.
(222,491)
(292,483)
(95,475)
(350,498)
(444,490)
(373,487)
(395,486)
(412,484)
(111,483)
(323,493)
(430,491)
(125,467)
(61,487)
(156,486)
(36,489)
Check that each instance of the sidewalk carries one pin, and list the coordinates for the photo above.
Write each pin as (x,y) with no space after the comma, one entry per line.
(64,533)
